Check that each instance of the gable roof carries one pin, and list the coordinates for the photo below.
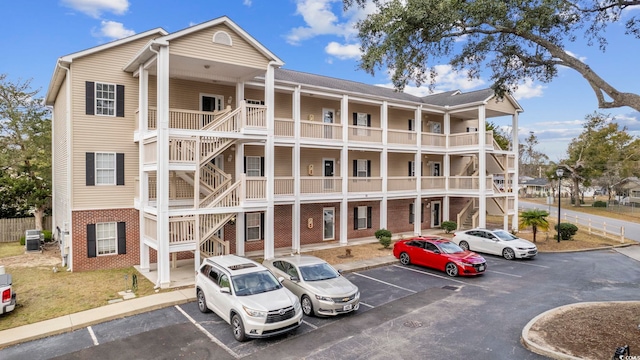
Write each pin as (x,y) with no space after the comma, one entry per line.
(59,72)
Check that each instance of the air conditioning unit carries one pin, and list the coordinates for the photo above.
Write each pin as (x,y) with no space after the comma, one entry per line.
(32,240)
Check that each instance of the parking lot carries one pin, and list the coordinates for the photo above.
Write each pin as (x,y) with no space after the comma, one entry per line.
(405,312)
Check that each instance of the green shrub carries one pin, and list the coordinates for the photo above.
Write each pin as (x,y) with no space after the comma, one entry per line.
(566,231)
(47,235)
(449,226)
(22,240)
(385,241)
(382,232)
(573,201)
(600,203)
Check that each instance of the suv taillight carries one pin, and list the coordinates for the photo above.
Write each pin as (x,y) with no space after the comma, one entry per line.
(6,295)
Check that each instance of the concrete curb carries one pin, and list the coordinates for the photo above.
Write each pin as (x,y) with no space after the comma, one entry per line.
(94,316)
(551,353)
(590,249)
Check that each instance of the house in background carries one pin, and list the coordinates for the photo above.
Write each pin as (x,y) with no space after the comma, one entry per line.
(628,191)
(198,143)
(535,187)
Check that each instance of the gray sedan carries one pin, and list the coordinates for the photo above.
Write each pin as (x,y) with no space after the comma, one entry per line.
(322,290)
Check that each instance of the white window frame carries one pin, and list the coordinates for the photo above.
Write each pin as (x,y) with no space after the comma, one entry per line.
(253,222)
(107,103)
(99,169)
(250,171)
(106,239)
(362,166)
(362,217)
(333,223)
(254,102)
(219,101)
(362,124)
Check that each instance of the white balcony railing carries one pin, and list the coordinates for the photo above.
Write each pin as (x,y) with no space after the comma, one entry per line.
(463,139)
(255,187)
(318,130)
(402,137)
(401,183)
(431,183)
(365,134)
(283,127)
(246,115)
(434,140)
(469,182)
(150,227)
(365,184)
(182,230)
(320,185)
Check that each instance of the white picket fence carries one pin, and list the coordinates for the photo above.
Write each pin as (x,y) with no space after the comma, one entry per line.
(608,231)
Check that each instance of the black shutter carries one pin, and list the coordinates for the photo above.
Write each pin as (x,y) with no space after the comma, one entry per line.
(411,214)
(411,125)
(262,226)
(369,217)
(368,168)
(245,165)
(90,98)
(119,169)
(122,238)
(120,100)
(245,225)
(262,166)
(368,120)
(420,173)
(355,218)
(421,212)
(91,240)
(355,118)
(355,168)
(410,174)
(90,169)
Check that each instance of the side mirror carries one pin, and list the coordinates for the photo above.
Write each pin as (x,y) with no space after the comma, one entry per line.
(280,279)
(294,278)
(340,271)
(225,290)
(436,251)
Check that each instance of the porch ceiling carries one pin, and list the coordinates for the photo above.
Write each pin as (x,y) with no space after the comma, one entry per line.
(181,67)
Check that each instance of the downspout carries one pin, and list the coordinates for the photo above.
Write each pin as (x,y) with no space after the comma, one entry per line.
(157,284)
(65,258)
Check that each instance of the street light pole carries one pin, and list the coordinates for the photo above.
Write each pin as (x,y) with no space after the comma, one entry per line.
(559,173)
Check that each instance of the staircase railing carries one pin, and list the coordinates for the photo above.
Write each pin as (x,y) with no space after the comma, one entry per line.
(212,146)
(466,212)
(214,246)
(210,223)
(214,177)
(228,198)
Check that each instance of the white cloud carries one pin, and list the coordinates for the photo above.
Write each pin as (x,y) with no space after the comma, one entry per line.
(343,52)
(113,30)
(528,90)
(581,58)
(246,2)
(448,79)
(320,19)
(96,7)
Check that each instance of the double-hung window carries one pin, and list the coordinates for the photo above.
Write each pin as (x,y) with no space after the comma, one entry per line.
(106,241)
(254,166)
(362,168)
(105,168)
(253,226)
(105,99)
(362,217)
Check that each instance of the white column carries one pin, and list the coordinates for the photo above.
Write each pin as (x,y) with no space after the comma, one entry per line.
(296,171)
(239,93)
(419,169)
(344,169)
(516,175)
(269,163)
(162,189)
(384,166)
(143,184)
(482,168)
(240,226)
(446,167)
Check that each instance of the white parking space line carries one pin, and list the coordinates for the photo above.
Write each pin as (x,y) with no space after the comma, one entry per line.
(367,305)
(310,324)
(516,262)
(208,334)
(439,276)
(384,282)
(504,273)
(93,335)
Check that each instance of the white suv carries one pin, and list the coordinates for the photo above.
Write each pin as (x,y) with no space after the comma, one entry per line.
(246,295)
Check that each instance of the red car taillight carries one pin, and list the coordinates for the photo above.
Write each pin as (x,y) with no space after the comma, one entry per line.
(6,296)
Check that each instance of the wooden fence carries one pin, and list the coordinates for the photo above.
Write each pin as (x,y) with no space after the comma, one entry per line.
(13,229)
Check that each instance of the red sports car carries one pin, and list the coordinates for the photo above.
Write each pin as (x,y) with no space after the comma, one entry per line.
(439,253)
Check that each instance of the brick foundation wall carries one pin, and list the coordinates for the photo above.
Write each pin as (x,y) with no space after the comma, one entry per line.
(315,212)
(456,204)
(80,219)
(398,216)
(375,219)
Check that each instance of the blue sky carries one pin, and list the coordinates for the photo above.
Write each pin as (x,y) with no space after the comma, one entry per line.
(313,36)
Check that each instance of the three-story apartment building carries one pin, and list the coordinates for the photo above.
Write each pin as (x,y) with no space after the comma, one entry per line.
(198,143)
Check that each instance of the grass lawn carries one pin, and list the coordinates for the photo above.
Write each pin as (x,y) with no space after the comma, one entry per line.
(10,249)
(620,212)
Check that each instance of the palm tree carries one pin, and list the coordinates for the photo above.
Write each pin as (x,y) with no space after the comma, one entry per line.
(536,219)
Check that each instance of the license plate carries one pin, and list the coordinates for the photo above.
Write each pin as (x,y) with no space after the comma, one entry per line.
(347,307)
(481,268)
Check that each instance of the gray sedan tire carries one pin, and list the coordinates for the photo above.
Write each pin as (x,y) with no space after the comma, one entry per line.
(464,245)
(307,306)
(405,259)
(508,253)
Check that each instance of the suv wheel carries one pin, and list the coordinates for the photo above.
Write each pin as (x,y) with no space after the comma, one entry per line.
(202,302)
(238,328)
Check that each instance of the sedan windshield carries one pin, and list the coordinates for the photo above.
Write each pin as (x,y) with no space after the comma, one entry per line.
(255,283)
(450,248)
(317,272)
(504,235)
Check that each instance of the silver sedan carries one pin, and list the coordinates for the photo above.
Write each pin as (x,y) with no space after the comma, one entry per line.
(322,290)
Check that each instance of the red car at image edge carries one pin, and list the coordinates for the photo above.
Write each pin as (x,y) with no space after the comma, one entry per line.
(441,254)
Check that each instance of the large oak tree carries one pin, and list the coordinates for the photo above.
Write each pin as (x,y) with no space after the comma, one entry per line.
(514,39)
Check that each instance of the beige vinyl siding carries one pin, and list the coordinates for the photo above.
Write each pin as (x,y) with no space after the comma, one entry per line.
(200,45)
(460,126)
(310,105)
(283,161)
(398,119)
(94,133)
(398,164)
(253,150)
(61,158)
(283,106)
(315,157)
(185,94)
(254,94)
(229,167)
(374,157)
(433,118)
(374,111)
